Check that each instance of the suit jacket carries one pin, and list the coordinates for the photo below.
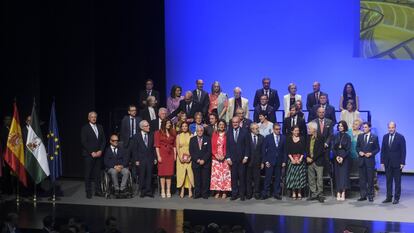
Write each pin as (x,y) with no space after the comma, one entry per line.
(203,154)
(89,141)
(372,146)
(140,152)
(345,143)
(236,151)
(155,125)
(145,114)
(204,102)
(121,158)
(395,154)
(126,129)
(312,101)
(273,98)
(286,102)
(329,113)
(327,134)
(246,124)
(318,150)
(231,105)
(271,115)
(272,153)
(143,97)
(255,152)
(182,107)
(287,126)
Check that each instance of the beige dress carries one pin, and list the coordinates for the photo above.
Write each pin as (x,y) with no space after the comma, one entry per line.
(184,171)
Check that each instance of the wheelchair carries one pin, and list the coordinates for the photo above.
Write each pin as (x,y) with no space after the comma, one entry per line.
(108,188)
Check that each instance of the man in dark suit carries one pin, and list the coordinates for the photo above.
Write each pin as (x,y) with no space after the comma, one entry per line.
(274,159)
(264,107)
(156,124)
(254,142)
(93,144)
(243,121)
(201,97)
(315,152)
(393,153)
(237,158)
(367,147)
(272,95)
(325,131)
(200,152)
(144,156)
(150,112)
(149,91)
(48,224)
(116,160)
(313,98)
(129,127)
(188,106)
(292,120)
(329,110)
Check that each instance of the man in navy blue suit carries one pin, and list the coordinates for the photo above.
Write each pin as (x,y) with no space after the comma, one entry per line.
(201,97)
(237,158)
(274,158)
(254,145)
(367,147)
(264,106)
(313,98)
(129,127)
(272,95)
(393,153)
(116,160)
(329,109)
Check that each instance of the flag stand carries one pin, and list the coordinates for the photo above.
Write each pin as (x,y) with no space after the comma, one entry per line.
(53,198)
(35,193)
(17,192)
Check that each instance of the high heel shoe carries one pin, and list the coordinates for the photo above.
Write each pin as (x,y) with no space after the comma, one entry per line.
(168,194)
(343,196)
(338,197)
(162,195)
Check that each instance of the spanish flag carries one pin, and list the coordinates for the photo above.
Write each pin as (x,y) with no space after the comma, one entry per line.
(14,152)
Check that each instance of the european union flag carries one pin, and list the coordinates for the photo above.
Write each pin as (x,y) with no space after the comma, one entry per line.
(53,147)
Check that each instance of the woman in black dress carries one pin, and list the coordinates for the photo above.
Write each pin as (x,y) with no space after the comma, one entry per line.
(296,173)
(342,151)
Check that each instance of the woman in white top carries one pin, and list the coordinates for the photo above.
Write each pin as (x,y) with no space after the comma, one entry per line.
(291,98)
(265,126)
(350,114)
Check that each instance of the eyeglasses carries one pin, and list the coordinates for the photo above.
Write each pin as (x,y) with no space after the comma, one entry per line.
(145,126)
(114,140)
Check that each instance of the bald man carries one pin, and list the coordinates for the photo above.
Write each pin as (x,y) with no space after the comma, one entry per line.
(313,98)
(201,97)
(393,153)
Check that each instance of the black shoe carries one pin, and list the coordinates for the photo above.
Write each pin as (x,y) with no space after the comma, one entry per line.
(321,199)
(248,197)
(142,195)
(362,199)
(388,200)
(232,198)
(257,196)
(396,201)
(371,199)
(99,194)
(264,197)
(312,198)
(150,195)
(242,198)
(277,197)
(89,195)
(205,197)
(197,196)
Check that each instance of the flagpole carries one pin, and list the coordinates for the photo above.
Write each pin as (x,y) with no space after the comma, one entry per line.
(17,192)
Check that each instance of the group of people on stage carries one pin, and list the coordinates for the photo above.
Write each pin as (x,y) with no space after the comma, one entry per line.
(207,141)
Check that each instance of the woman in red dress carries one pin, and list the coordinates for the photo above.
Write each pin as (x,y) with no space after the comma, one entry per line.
(164,143)
(220,169)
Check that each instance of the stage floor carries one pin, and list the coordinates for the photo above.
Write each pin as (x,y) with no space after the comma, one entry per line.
(331,210)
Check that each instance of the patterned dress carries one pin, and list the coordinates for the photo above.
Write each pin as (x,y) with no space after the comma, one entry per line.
(296,173)
(220,170)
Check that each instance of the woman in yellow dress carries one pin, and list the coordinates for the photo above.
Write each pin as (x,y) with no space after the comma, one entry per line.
(185,178)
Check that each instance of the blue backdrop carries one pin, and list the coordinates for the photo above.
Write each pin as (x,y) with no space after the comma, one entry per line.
(239,42)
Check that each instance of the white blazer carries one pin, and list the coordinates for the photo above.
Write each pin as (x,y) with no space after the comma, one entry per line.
(286,103)
(230,108)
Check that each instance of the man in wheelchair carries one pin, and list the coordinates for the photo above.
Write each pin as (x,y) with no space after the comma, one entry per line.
(116,161)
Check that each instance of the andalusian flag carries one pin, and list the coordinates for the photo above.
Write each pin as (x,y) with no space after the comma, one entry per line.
(36,156)
(14,152)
